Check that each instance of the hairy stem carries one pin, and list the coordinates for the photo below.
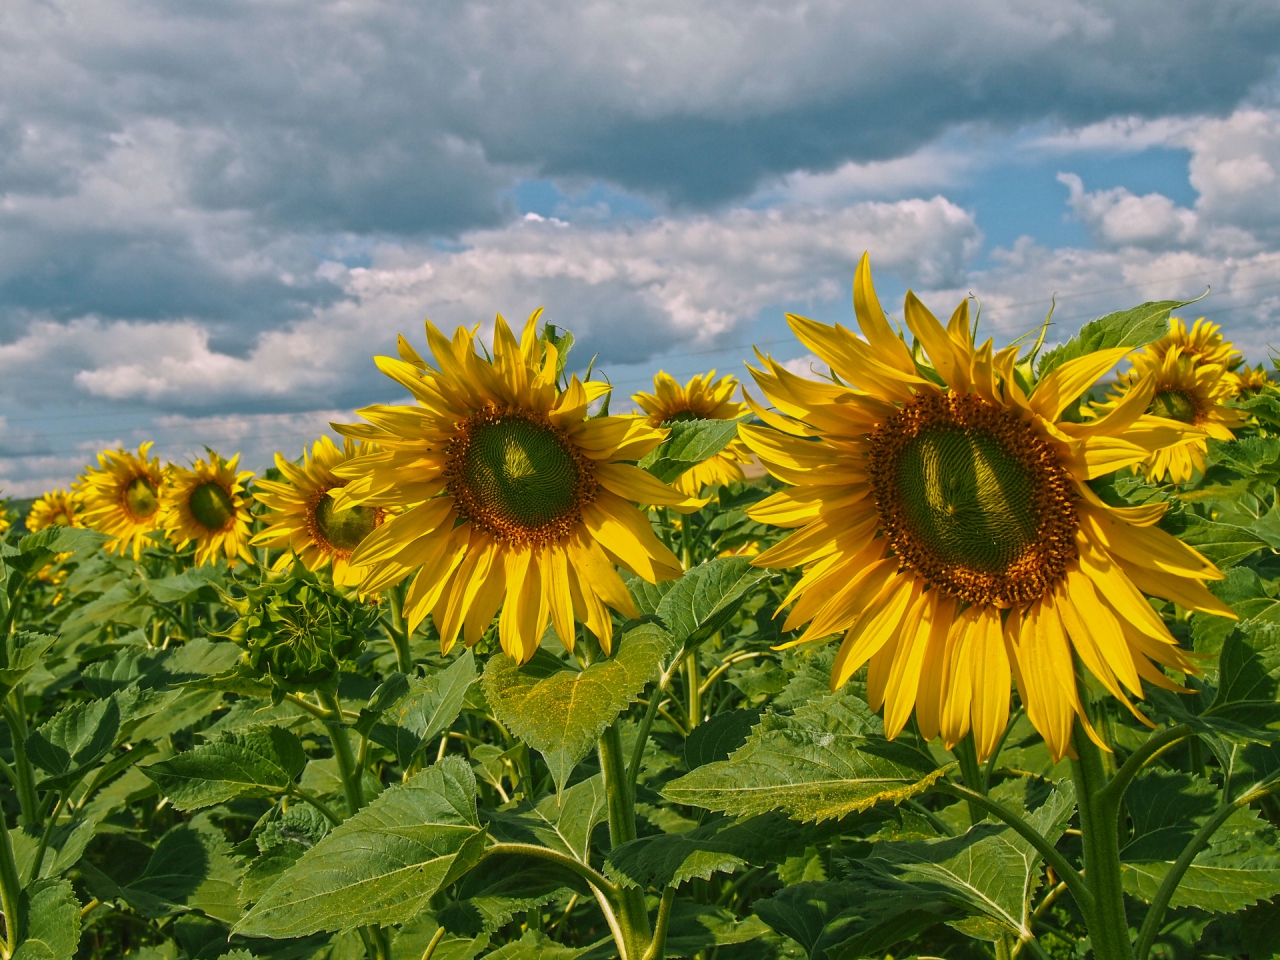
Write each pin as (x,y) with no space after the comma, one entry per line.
(632,916)
(1100,836)
(15,717)
(48,833)
(347,766)
(10,889)
(658,946)
(586,871)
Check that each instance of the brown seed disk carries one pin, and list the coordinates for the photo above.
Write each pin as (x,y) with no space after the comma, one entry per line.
(972,500)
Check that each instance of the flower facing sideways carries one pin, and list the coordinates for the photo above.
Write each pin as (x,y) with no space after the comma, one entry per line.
(946,529)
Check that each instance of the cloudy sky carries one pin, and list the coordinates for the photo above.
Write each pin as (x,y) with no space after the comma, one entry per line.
(213,214)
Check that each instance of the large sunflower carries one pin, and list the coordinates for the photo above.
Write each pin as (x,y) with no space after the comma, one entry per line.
(121,497)
(702,398)
(307,523)
(526,499)
(208,504)
(57,508)
(947,529)
(1190,383)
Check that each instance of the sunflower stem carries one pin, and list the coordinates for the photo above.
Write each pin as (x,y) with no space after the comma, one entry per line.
(399,635)
(15,716)
(347,766)
(10,889)
(1100,837)
(971,773)
(633,918)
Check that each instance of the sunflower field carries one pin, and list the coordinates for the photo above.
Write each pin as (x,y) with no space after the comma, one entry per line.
(948,651)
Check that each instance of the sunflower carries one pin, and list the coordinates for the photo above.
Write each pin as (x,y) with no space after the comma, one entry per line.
(208,504)
(523,502)
(1253,378)
(54,509)
(121,497)
(947,530)
(702,398)
(1187,388)
(307,523)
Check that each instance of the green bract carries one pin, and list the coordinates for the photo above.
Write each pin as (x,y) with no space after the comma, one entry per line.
(298,632)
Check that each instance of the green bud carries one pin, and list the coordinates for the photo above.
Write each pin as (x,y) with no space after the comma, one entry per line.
(297,632)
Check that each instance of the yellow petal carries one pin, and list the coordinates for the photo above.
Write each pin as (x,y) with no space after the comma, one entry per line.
(1059,389)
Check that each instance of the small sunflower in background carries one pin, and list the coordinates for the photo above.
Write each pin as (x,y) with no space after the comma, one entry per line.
(306,521)
(1252,378)
(524,505)
(54,509)
(1192,384)
(208,505)
(947,530)
(121,497)
(702,398)
(6,518)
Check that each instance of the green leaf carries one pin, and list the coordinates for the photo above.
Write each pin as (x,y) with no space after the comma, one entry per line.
(536,945)
(70,744)
(562,822)
(21,651)
(827,760)
(56,539)
(1134,327)
(191,869)
(851,920)
(561,712)
(187,585)
(689,443)
(501,887)
(1223,543)
(723,845)
(1246,705)
(260,761)
(412,939)
(697,927)
(384,864)
(50,922)
(66,843)
(429,707)
(718,737)
(991,871)
(706,598)
(1240,867)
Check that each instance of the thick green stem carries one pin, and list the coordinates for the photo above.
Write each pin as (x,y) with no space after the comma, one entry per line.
(694,681)
(347,766)
(971,773)
(45,837)
(15,716)
(633,918)
(1100,837)
(10,889)
(399,635)
(584,870)
(658,946)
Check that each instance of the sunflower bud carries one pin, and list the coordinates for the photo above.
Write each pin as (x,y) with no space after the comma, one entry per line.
(297,632)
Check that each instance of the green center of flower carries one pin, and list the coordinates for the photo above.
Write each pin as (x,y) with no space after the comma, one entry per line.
(140,498)
(972,500)
(1174,405)
(967,498)
(344,529)
(684,416)
(517,477)
(211,505)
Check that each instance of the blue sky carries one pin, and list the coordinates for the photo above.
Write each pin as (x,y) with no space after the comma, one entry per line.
(212,216)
